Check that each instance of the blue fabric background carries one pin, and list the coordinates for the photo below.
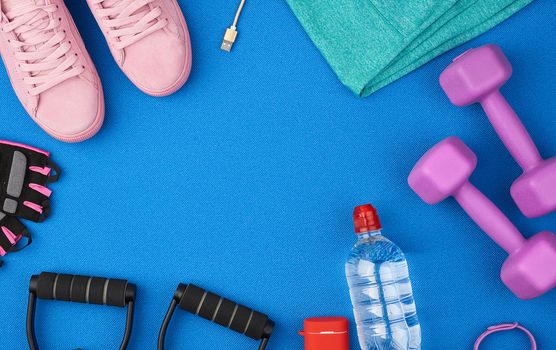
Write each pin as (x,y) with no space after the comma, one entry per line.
(244,182)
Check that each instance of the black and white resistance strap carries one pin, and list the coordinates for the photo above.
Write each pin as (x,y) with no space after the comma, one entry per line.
(25,172)
(80,289)
(219,310)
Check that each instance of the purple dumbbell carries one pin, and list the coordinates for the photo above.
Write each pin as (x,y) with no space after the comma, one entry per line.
(476,76)
(444,171)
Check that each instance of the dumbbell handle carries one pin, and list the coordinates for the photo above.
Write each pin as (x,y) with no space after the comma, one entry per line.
(489,218)
(511,130)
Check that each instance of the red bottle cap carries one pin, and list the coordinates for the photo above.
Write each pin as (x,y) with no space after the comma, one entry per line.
(326,333)
(365,219)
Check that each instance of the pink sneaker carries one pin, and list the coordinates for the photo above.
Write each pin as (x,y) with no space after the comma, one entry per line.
(50,70)
(149,40)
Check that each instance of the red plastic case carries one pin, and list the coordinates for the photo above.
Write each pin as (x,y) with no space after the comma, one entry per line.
(326,333)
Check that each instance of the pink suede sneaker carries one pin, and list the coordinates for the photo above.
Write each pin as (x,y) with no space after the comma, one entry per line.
(50,69)
(149,40)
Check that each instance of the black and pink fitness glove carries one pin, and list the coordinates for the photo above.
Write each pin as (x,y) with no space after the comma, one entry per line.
(25,172)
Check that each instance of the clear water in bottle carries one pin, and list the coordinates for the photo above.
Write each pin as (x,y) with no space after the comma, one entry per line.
(380,289)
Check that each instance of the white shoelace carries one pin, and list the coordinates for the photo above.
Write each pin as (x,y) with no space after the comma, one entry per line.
(130,20)
(42,50)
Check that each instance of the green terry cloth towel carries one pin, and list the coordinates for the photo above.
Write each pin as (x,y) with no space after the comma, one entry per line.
(371,43)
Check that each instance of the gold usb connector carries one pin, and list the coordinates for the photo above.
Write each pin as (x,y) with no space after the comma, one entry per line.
(229,39)
(231,33)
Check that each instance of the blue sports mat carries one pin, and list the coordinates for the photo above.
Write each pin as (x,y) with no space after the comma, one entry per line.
(244,183)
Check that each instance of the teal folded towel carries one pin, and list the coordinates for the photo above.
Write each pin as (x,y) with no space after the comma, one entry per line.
(371,43)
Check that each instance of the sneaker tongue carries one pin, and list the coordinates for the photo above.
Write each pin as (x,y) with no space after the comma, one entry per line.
(9,5)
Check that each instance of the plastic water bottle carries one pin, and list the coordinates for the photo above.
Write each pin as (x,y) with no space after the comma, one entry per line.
(380,288)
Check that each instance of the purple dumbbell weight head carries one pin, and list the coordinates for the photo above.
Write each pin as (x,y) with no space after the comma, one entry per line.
(476,76)
(443,172)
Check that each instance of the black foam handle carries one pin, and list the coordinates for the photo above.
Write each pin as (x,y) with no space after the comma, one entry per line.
(225,312)
(82,289)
